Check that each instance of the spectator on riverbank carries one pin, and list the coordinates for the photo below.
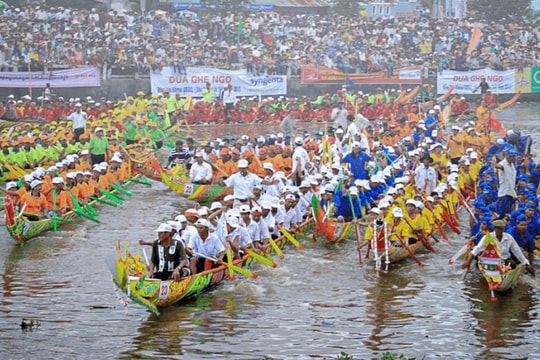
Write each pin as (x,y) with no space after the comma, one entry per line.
(266,42)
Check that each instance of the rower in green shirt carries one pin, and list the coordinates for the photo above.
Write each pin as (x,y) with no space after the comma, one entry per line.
(98,146)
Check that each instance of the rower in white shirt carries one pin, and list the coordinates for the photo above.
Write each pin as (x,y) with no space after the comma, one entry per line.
(201,171)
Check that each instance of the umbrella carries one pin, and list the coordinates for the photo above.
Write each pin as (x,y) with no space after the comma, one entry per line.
(191,14)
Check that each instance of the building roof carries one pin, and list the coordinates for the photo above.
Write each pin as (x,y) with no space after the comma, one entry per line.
(293,3)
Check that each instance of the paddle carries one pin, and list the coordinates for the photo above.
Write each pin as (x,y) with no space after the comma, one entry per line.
(238,269)
(78,210)
(261,259)
(421,237)
(290,237)
(121,190)
(229,261)
(409,250)
(146,260)
(356,231)
(115,198)
(103,201)
(143,180)
(276,248)
(55,223)
(460,252)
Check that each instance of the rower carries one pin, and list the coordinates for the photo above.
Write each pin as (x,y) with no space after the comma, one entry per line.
(206,244)
(169,260)
(201,171)
(34,202)
(510,251)
(237,236)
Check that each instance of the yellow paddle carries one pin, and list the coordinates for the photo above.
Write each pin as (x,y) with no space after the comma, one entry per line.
(290,237)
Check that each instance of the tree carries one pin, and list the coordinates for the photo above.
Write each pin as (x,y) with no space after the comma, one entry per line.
(346,7)
(494,10)
(228,5)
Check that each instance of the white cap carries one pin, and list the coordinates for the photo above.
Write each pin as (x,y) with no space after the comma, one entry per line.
(228,198)
(11,184)
(35,183)
(298,141)
(202,211)
(242,163)
(78,104)
(57,180)
(375,210)
(216,205)
(339,131)
(397,212)
(411,202)
(180,218)
(164,227)
(268,166)
(245,209)
(199,154)
(175,225)
(353,191)
(356,145)
(98,129)
(305,184)
(233,221)
(267,205)
(203,222)
(290,197)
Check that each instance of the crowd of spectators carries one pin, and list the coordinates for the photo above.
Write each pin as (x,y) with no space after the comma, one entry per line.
(43,38)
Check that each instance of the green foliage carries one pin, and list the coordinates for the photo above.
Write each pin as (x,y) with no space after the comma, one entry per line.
(386,356)
(344,356)
(392,356)
(494,10)
(346,7)
(227,5)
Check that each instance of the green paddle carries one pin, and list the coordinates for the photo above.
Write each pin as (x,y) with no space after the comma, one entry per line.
(117,199)
(103,201)
(55,222)
(121,190)
(78,210)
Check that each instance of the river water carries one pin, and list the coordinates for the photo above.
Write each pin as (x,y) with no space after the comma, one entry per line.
(318,303)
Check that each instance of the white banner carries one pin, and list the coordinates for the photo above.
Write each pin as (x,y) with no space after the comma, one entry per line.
(77,77)
(466,82)
(244,84)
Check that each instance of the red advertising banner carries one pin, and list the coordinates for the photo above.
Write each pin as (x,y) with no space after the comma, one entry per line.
(322,75)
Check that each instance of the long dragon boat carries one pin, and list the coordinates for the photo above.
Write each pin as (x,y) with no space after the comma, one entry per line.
(128,272)
(188,190)
(22,229)
(499,277)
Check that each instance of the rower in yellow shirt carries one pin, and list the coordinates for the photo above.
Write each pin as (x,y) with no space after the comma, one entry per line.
(418,226)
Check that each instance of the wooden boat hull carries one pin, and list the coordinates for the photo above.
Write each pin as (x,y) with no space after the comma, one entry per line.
(155,294)
(22,230)
(334,231)
(509,278)
(195,192)
(399,253)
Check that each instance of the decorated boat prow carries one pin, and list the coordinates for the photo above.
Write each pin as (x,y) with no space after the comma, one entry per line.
(188,190)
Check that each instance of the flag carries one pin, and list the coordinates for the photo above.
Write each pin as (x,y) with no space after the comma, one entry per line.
(475,39)
(496,125)
(324,226)
(240,29)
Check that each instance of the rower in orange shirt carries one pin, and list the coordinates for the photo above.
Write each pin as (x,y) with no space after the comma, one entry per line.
(61,201)
(34,202)
(225,165)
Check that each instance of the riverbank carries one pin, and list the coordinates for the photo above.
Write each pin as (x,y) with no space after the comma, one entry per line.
(119,88)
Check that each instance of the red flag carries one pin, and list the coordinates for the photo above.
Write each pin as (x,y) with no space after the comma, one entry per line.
(475,39)
(496,125)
